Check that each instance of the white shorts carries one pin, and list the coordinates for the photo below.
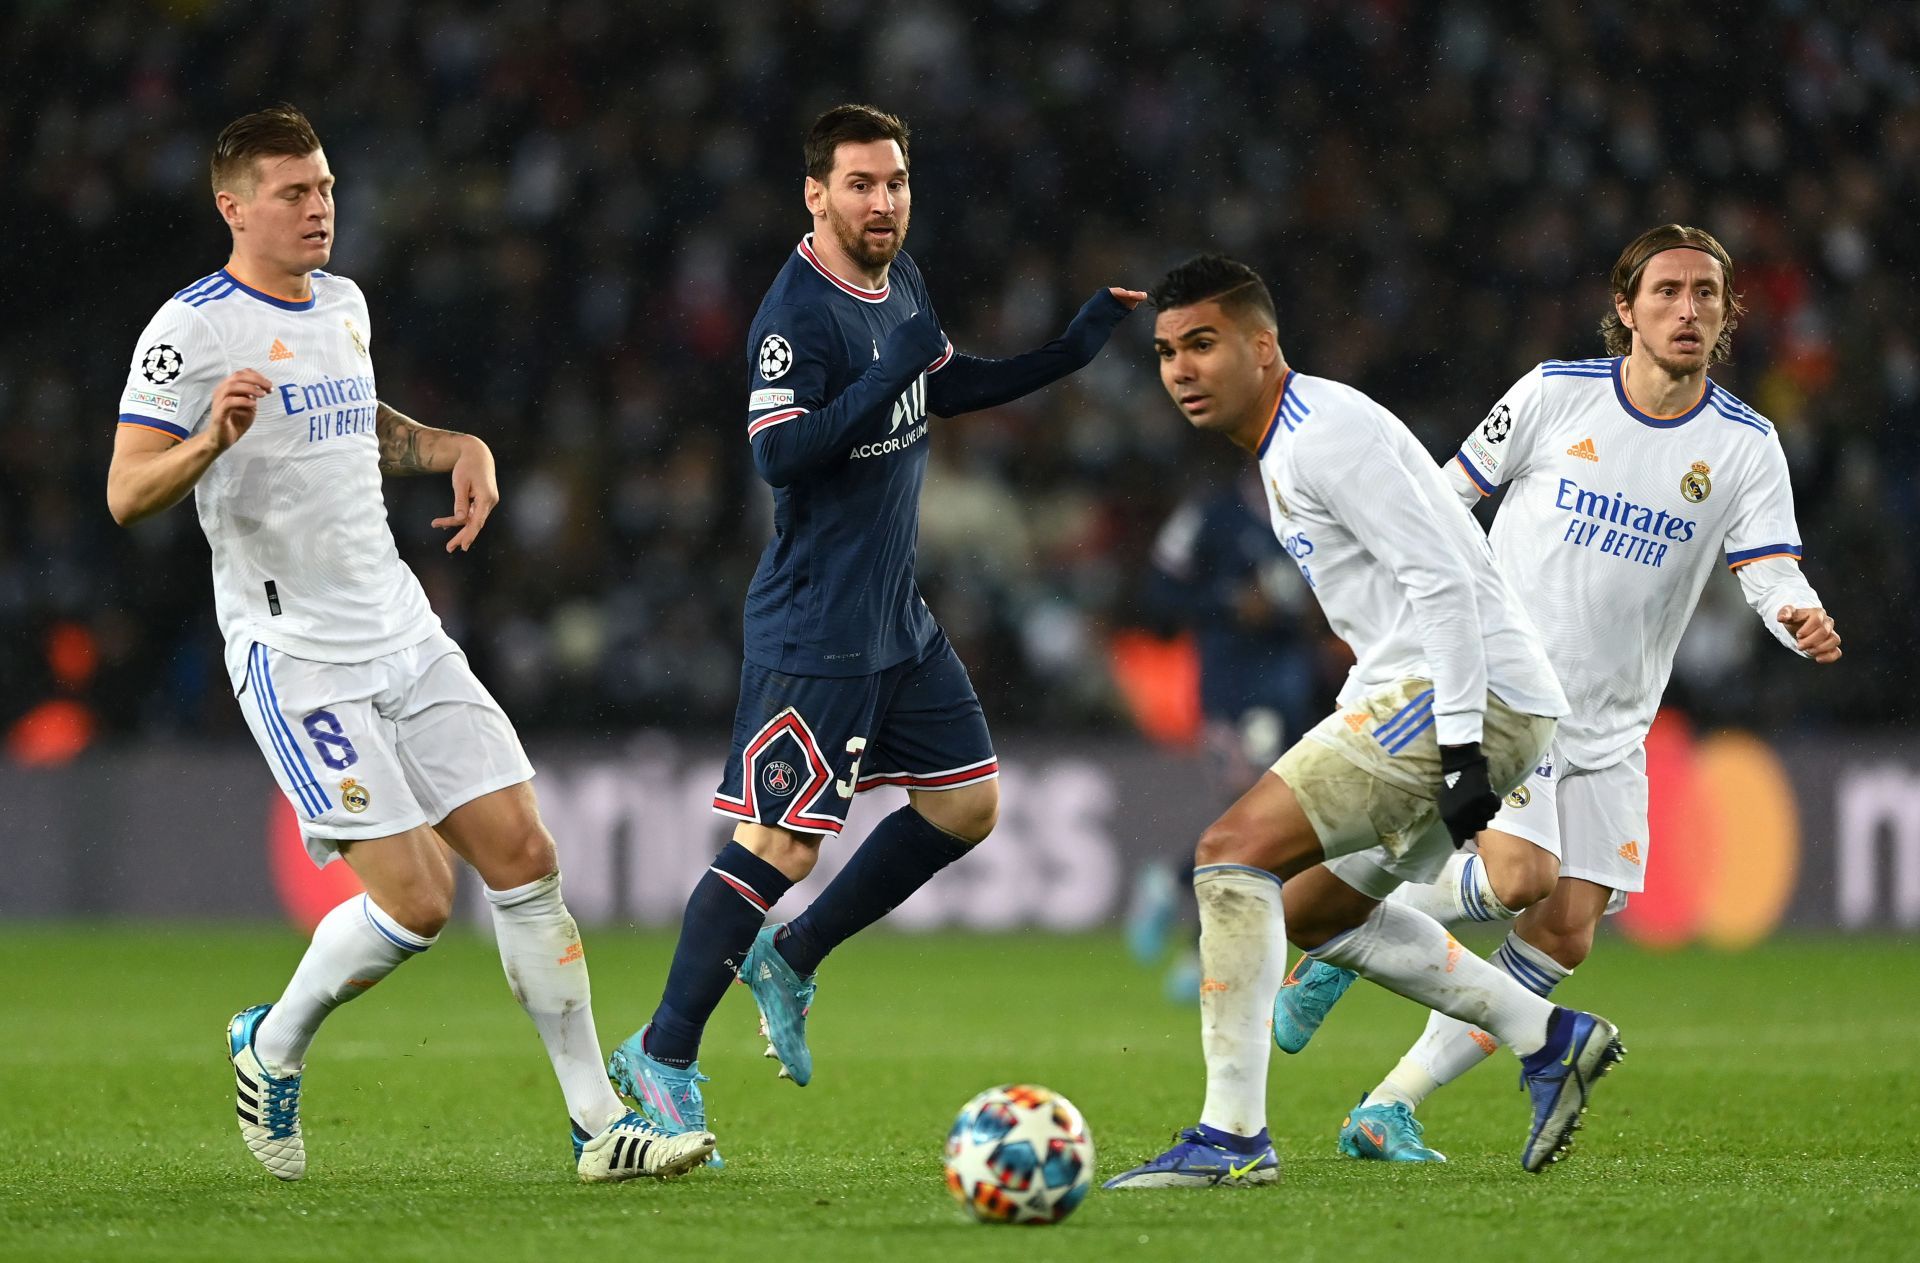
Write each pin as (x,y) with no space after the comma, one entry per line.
(371,749)
(1365,777)
(1594,821)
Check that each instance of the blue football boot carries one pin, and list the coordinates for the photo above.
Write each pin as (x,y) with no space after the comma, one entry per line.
(1559,1079)
(784,998)
(667,1095)
(1204,1158)
(269,1107)
(1386,1133)
(1307,994)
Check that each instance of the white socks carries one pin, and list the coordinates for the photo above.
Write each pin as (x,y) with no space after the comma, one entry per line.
(547,969)
(1411,954)
(354,946)
(1448,1048)
(1243,953)
(1461,893)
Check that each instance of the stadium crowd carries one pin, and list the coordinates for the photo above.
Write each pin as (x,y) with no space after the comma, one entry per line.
(564,215)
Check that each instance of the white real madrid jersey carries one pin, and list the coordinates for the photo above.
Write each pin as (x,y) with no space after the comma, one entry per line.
(1612,521)
(303,559)
(1398,565)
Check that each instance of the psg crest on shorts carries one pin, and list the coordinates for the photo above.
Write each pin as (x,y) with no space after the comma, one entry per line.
(779,778)
(776,357)
(1694,484)
(161,364)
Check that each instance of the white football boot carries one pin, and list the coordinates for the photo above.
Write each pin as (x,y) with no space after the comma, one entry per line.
(269,1108)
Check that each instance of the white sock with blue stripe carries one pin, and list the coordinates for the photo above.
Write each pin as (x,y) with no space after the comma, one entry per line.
(1411,954)
(547,969)
(1462,892)
(1448,1048)
(354,946)
(1243,954)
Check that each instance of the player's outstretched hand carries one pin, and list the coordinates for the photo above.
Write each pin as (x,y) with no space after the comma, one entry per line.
(912,347)
(1128,298)
(235,403)
(1812,630)
(475,492)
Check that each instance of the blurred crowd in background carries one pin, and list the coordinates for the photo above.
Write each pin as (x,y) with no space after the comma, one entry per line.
(565,213)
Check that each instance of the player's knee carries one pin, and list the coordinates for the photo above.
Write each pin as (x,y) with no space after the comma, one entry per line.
(529,855)
(515,856)
(422,907)
(976,818)
(1227,842)
(793,854)
(968,814)
(1522,878)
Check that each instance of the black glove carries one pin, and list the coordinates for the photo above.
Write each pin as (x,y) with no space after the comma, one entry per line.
(912,347)
(1466,799)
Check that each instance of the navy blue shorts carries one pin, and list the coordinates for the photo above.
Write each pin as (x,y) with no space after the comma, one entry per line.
(804,745)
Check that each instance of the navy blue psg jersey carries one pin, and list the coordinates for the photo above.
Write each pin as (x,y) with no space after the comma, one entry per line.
(841,438)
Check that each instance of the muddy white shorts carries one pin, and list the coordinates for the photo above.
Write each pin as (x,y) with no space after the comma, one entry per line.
(1366,775)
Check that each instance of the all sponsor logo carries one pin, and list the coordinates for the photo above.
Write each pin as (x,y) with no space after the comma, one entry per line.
(761,399)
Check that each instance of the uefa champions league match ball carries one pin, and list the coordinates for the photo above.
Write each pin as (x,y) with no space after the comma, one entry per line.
(1019,1154)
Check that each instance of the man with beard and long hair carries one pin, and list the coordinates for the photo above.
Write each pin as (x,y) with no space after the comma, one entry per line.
(848,682)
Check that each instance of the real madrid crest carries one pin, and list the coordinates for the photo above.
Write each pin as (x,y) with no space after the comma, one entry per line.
(359,342)
(1695,485)
(1278,499)
(1519,798)
(354,796)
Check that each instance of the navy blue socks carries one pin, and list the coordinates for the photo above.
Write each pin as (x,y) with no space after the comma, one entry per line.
(726,910)
(901,855)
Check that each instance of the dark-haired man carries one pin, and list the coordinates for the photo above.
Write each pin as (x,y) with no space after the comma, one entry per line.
(848,682)
(1628,480)
(253,388)
(1449,703)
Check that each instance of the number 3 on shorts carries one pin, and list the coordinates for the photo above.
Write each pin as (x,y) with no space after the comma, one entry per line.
(335,749)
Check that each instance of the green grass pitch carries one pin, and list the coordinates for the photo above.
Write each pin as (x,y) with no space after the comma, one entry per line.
(1769,1109)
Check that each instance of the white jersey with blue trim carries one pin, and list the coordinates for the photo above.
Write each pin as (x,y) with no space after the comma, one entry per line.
(1612,521)
(303,559)
(1403,574)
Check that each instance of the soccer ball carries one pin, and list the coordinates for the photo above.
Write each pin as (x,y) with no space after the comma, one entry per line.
(1019,1154)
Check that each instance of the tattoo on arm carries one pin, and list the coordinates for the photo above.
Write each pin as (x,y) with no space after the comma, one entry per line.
(406,446)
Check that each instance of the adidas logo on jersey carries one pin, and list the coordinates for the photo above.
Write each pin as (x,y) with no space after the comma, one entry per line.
(1585,451)
(1631,851)
(279,351)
